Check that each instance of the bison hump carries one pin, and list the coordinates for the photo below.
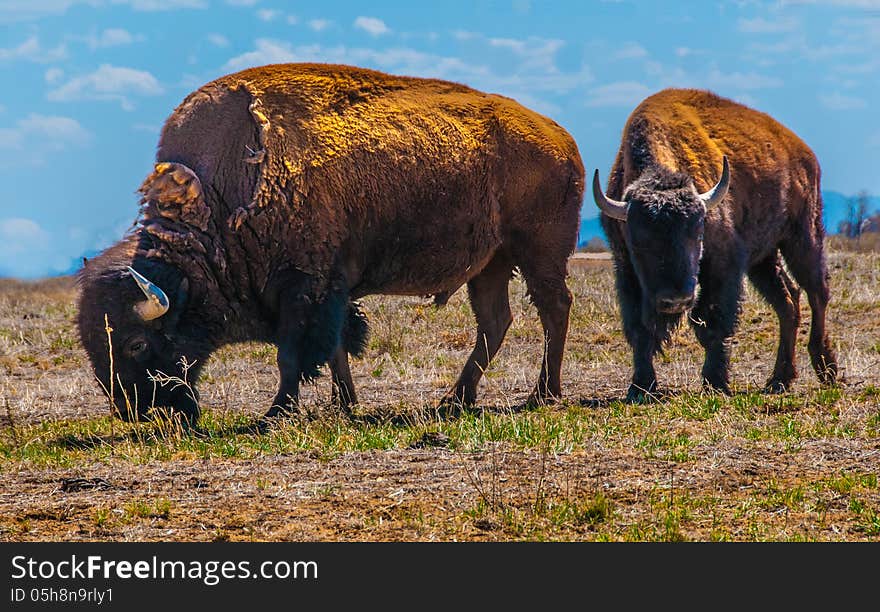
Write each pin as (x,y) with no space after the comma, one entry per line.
(173,191)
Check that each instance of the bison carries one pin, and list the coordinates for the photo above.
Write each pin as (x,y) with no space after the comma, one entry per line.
(282,194)
(702,192)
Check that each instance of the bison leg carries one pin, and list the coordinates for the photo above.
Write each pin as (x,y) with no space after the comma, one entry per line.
(354,343)
(550,295)
(644,380)
(782,294)
(714,319)
(641,340)
(342,393)
(308,336)
(287,397)
(806,260)
(488,293)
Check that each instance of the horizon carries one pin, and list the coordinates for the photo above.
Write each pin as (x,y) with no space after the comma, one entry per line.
(96,79)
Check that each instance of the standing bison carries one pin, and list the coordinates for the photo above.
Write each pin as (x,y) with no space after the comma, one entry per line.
(676,214)
(283,193)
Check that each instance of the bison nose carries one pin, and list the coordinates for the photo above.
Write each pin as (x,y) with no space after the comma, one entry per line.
(674,303)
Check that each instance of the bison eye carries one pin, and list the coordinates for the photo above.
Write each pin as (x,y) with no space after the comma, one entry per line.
(137,348)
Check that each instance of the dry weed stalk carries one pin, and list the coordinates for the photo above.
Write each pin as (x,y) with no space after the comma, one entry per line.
(11,422)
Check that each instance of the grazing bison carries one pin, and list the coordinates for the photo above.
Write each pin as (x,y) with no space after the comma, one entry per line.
(671,226)
(283,193)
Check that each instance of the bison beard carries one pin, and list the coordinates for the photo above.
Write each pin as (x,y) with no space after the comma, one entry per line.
(665,235)
(283,194)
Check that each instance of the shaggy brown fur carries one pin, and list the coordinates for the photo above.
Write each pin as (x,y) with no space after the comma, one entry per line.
(286,191)
(672,148)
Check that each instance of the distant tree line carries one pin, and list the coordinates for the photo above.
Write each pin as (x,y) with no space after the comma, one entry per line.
(858,219)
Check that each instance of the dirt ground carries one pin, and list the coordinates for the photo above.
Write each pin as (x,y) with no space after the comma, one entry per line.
(695,466)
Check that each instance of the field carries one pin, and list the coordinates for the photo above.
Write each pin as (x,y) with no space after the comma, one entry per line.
(695,466)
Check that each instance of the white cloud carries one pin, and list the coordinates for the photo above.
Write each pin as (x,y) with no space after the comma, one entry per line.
(511,44)
(150,128)
(28,250)
(266,52)
(31,141)
(622,93)
(823,51)
(733,85)
(859,4)
(163,5)
(267,14)
(218,40)
(536,73)
(630,50)
(113,83)
(189,81)
(241,2)
(852,42)
(861,27)
(530,78)
(779,47)
(25,10)
(741,80)
(319,25)
(371,25)
(19,232)
(801,49)
(865,67)
(20,238)
(529,72)
(31,50)
(292,20)
(838,101)
(111,37)
(672,76)
(747,99)
(759,25)
(53,75)
(537,55)
(37,133)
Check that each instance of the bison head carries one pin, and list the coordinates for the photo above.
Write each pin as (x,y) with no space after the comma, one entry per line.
(664,215)
(130,326)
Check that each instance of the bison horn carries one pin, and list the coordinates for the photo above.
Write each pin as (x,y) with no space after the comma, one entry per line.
(156,303)
(717,193)
(612,208)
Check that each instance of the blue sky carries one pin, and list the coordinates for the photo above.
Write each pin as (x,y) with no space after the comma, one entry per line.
(88,83)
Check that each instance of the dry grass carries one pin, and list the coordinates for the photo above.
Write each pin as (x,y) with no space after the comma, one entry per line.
(865,243)
(801,466)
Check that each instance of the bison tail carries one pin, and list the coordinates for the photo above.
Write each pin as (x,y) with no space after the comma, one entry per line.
(355,331)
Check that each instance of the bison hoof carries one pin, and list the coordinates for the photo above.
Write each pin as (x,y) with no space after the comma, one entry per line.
(272,420)
(343,399)
(344,408)
(537,399)
(259,427)
(717,387)
(456,400)
(775,386)
(638,394)
(277,412)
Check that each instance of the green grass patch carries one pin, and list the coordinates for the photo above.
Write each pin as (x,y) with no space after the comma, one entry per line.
(667,430)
